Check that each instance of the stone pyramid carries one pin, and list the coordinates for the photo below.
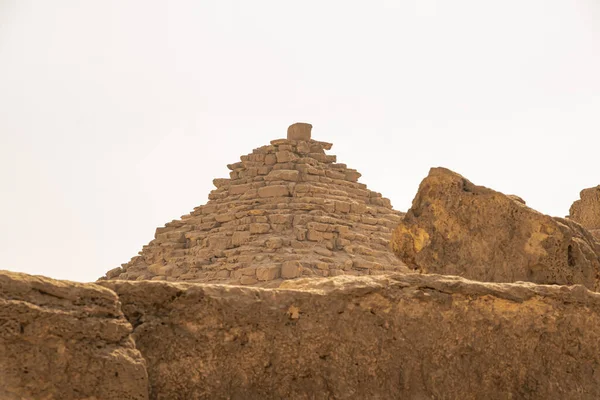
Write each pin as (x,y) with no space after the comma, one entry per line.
(288,210)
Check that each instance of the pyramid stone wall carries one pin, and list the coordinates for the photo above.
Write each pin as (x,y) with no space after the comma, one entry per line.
(288,210)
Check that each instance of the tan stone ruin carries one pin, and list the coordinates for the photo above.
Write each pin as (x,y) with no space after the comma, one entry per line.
(288,210)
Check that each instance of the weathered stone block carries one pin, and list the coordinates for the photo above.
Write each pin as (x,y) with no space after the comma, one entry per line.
(291,269)
(239,238)
(224,217)
(285,156)
(248,280)
(274,191)
(259,228)
(299,131)
(270,159)
(283,175)
(268,273)
(342,207)
(314,236)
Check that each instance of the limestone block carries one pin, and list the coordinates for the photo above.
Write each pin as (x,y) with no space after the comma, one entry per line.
(239,189)
(259,228)
(324,145)
(160,269)
(317,226)
(283,175)
(323,266)
(113,273)
(335,174)
(264,170)
(239,238)
(274,243)
(281,218)
(218,242)
(220,182)
(314,236)
(299,131)
(285,156)
(270,159)
(225,217)
(274,191)
(268,273)
(342,206)
(222,274)
(256,157)
(352,176)
(248,280)
(235,166)
(279,142)
(358,208)
(300,233)
(291,269)
(303,148)
(323,252)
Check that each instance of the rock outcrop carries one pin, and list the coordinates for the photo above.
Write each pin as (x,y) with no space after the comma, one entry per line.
(287,211)
(65,340)
(457,228)
(586,210)
(401,336)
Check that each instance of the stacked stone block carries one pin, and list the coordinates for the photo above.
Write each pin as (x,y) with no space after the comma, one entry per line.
(288,210)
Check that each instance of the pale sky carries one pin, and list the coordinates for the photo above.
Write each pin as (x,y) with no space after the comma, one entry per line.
(115,116)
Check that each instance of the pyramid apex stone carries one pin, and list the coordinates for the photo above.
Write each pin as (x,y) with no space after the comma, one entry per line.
(299,131)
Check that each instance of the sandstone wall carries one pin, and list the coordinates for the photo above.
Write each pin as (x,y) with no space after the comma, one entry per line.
(455,227)
(386,337)
(65,340)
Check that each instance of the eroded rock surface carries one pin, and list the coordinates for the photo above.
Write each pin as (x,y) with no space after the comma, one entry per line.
(586,210)
(65,340)
(288,210)
(455,227)
(383,337)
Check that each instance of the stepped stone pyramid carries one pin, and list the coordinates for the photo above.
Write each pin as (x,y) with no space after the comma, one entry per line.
(288,210)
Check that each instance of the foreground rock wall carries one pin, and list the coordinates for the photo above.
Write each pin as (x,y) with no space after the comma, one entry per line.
(455,227)
(386,337)
(65,340)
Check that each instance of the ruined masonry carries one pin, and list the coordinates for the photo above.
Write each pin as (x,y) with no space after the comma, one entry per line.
(288,210)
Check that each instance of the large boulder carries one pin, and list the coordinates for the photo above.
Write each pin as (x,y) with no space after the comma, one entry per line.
(65,340)
(455,227)
(586,210)
(405,336)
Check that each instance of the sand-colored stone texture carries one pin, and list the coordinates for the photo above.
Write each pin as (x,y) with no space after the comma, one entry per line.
(400,336)
(457,228)
(288,210)
(65,340)
(586,210)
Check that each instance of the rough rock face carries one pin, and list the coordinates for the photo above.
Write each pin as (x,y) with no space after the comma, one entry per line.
(288,210)
(455,227)
(586,210)
(65,340)
(401,336)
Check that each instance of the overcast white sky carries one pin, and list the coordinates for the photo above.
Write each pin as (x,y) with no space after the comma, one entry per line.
(115,116)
